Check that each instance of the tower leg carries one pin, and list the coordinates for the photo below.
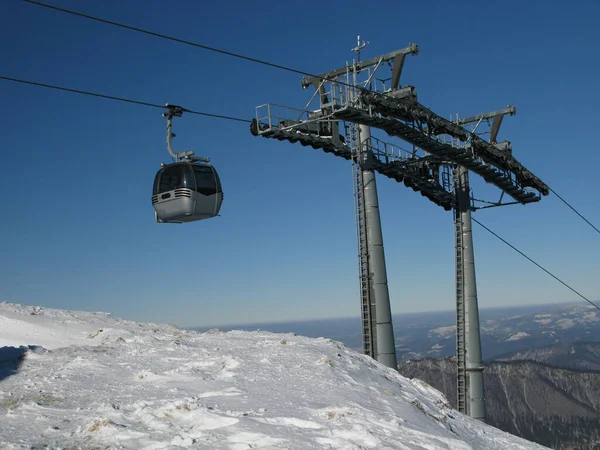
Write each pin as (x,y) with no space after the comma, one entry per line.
(461,372)
(473,361)
(385,344)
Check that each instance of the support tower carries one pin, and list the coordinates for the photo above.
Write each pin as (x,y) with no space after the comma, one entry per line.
(435,160)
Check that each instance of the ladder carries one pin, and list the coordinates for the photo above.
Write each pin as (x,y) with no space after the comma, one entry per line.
(367,308)
(461,387)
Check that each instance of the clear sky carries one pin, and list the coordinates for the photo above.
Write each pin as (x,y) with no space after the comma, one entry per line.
(77,227)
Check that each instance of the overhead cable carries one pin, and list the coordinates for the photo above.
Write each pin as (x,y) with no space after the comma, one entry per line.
(191,43)
(574,210)
(171,38)
(120,99)
(538,265)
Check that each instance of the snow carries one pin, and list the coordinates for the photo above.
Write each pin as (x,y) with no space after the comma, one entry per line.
(591,317)
(565,323)
(444,331)
(87,380)
(517,336)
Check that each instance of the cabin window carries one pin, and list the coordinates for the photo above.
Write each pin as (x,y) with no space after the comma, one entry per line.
(176,177)
(207,181)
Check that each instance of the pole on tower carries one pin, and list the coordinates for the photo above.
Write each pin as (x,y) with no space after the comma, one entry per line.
(379,334)
(384,342)
(470,388)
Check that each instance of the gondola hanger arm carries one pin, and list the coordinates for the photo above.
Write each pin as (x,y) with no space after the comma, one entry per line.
(177,111)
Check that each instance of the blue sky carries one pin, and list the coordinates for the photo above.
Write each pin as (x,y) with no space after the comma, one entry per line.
(77,228)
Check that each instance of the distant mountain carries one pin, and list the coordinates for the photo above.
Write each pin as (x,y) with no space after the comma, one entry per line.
(504,331)
(552,406)
(571,355)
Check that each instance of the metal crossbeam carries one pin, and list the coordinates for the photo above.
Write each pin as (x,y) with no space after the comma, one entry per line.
(412,49)
(510,110)
(411,111)
(409,172)
(445,151)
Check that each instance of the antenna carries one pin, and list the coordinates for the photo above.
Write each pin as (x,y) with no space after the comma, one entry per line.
(359,46)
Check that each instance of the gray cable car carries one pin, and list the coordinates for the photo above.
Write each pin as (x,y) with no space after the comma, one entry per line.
(185,192)
(188,189)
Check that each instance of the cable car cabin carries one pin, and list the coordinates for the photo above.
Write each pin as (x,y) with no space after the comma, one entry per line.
(185,192)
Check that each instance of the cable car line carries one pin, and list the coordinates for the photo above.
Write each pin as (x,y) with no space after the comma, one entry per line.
(228,53)
(154,105)
(120,99)
(218,116)
(235,55)
(183,41)
(531,260)
(574,210)
(237,119)
(258,61)
(172,38)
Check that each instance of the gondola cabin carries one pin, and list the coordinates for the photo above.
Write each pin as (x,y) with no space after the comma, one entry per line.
(186,192)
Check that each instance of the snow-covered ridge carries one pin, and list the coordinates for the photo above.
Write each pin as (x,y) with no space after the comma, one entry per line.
(87,380)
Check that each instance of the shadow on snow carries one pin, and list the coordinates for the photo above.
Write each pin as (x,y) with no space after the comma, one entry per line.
(11,359)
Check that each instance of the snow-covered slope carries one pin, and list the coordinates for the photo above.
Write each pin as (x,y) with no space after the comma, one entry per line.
(87,380)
